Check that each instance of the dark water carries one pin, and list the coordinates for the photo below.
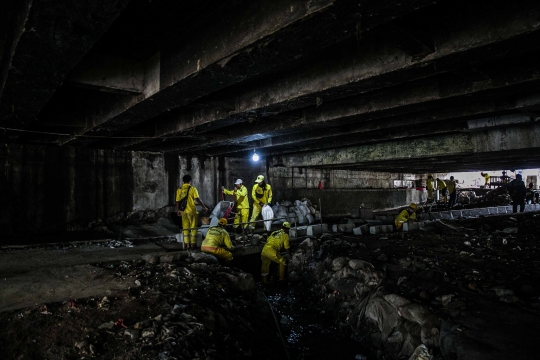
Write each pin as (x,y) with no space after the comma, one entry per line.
(308,333)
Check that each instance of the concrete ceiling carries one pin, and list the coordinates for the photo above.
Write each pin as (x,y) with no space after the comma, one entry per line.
(408,86)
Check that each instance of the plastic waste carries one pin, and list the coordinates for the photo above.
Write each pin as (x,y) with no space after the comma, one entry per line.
(267,214)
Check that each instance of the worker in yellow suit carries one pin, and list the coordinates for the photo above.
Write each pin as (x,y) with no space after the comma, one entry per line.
(189,214)
(218,243)
(486,179)
(441,186)
(271,251)
(241,201)
(409,214)
(261,195)
(429,186)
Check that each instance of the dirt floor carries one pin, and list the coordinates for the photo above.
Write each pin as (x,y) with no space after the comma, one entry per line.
(480,275)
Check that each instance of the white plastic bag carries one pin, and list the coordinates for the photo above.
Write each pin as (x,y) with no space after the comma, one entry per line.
(267,214)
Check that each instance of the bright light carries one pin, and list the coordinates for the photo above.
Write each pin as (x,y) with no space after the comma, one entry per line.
(255,156)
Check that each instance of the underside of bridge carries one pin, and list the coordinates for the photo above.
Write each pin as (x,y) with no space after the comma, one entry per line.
(398,87)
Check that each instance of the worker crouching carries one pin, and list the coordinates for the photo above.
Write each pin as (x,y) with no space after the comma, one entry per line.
(409,214)
(218,243)
(277,241)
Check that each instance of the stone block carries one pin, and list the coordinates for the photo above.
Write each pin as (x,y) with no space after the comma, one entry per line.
(315,230)
(475,212)
(413,226)
(456,213)
(381,229)
(466,213)
(493,210)
(483,211)
(446,215)
(502,209)
(528,208)
(174,257)
(509,209)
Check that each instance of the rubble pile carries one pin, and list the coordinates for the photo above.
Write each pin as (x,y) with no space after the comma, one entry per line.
(495,197)
(300,212)
(467,293)
(177,310)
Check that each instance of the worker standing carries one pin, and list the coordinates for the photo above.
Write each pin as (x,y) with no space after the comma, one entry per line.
(429,186)
(517,191)
(277,241)
(486,179)
(240,193)
(261,195)
(441,186)
(218,243)
(408,214)
(451,186)
(185,208)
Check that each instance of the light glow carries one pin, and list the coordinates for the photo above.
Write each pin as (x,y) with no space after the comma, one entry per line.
(255,157)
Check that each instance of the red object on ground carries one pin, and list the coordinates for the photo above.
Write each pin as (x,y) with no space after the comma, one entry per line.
(320,185)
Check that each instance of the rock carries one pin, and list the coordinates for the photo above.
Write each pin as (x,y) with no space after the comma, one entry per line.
(504,292)
(405,263)
(200,257)
(473,286)
(107,325)
(339,263)
(151,258)
(169,258)
(133,334)
(421,353)
(148,333)
(360,264)
(246,282)
(446,299)
(509,299)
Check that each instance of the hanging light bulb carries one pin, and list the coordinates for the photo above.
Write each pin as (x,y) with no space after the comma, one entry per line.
(255,157)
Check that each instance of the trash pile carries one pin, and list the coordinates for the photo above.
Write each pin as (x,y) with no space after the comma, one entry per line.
(301,212)
(176,310)
(495,197)
(437,294)
(353,289)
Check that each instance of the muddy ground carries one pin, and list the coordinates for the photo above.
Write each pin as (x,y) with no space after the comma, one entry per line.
(477,274)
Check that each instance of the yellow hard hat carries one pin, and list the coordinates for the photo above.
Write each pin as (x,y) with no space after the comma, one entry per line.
(222,221)
(286,225)
(430,175)
(413,206)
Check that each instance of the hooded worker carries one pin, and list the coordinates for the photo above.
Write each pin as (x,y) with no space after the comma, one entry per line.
(241,201)
(261,195)
(188,195)
(429,186)
(517,191)
(218,243)
(277,241)
(409,214)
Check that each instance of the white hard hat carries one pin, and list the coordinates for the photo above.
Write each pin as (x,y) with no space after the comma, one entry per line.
(238,182)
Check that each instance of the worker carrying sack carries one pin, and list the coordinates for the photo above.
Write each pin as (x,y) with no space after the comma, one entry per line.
(183,201)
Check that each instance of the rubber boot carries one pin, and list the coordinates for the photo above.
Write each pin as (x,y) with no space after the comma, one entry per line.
(281,272)
(264,279)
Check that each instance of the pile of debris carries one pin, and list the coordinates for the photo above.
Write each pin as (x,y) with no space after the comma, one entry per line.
(182,310)
(495,197)
(428,292)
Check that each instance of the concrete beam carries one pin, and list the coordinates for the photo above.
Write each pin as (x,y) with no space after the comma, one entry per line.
(454,146)
(401,99)
(277,32)
(371,65)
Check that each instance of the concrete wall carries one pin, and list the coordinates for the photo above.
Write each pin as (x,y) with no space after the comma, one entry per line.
(55,189)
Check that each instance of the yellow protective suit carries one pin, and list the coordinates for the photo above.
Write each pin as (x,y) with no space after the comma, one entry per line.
(486,178)
(276,241)
(429,186)
(189,215)
(404,216)
(260,195)
(216,241)
(242,204)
